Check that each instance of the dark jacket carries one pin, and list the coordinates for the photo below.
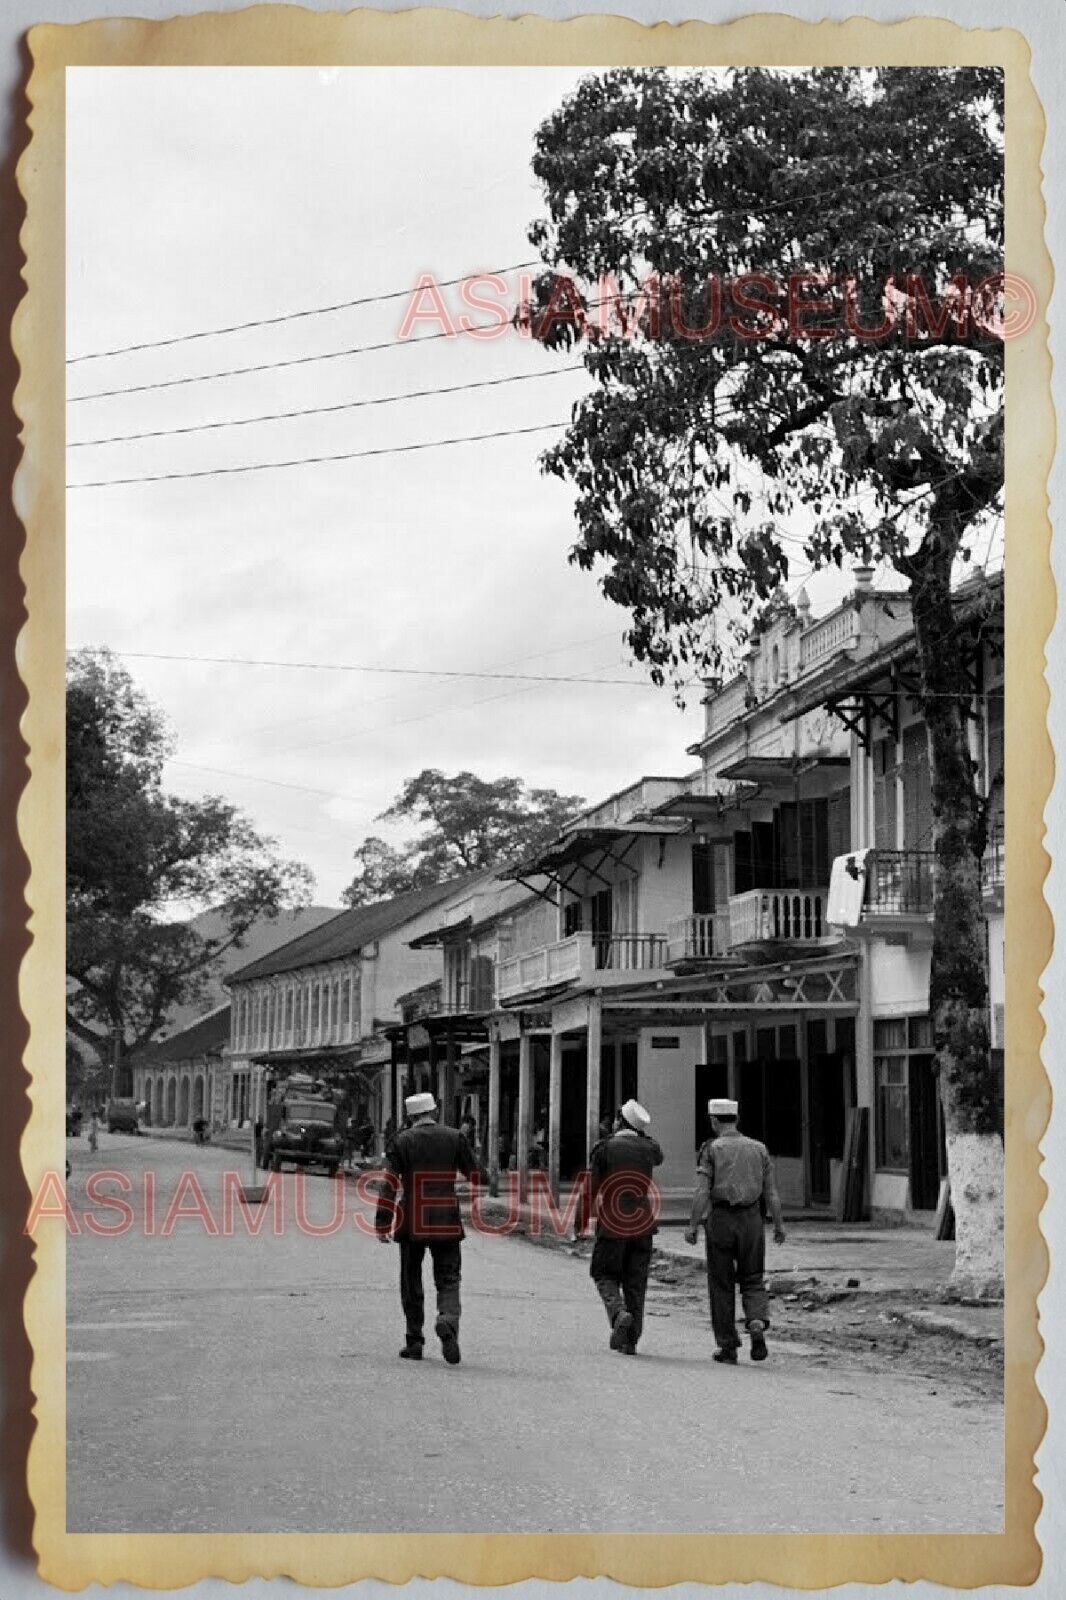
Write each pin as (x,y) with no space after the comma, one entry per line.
(419,1200)
(620,1174)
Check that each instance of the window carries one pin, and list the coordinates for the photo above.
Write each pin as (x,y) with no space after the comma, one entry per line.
(902,1055)
(316,1008)
(571,918)
(893,1113)
(346,1002)
(289,1002)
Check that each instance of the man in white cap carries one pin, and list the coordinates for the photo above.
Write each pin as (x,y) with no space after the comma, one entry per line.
(420,1210)
(733,1175)
(623,1195)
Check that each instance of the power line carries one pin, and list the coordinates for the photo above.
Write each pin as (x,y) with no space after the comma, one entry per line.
(306,461)
(293,316)
(499,272)
(317,411)
(268,366)
(346,666)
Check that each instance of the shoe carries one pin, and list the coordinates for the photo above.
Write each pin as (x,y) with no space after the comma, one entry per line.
(449,1342)
(728,1355)
(758,1342)
(629,1350)
(622,1331)
(411,1352)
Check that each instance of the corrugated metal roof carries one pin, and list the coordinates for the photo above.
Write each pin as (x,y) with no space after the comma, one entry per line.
(205,1036)
(346,933)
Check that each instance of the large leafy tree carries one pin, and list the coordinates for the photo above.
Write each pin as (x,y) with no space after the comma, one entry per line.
(470,824)
(806,265)
(140,861)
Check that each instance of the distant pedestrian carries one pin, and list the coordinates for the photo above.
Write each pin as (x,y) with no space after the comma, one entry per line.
(620,1195)
(94,1128)
(734,1178)
(420,1211)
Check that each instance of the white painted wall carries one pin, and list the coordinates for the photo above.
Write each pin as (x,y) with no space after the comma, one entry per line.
(899,978)
(666,1085)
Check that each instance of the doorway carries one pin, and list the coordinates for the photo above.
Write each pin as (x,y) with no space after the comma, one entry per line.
(928,1152)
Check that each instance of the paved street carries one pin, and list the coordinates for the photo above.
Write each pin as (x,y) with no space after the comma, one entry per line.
(236,1384)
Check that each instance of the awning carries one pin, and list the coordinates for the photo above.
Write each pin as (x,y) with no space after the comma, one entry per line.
(437,936)
(572,848)
(780,769)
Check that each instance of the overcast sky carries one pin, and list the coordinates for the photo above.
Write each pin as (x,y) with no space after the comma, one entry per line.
(198,198)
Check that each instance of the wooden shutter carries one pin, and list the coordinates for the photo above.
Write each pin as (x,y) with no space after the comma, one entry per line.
(762,855)
(702,877)
(743,879)
(884,764)
(917,796)
(839,824)
(786,819)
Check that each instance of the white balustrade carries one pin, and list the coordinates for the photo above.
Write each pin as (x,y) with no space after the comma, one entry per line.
(825,638)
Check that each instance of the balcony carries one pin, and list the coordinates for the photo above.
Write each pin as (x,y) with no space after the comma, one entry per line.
(778,916)
(828,637)
(583,958)
(899,883)
(902,883)
(701,937)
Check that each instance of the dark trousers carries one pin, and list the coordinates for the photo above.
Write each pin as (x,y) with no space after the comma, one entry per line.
(620,1272)
(736,1254)
(447,1271)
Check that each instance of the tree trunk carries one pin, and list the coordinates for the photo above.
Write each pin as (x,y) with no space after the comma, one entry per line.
(958,976)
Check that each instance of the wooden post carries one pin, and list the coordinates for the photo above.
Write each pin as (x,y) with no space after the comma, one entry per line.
(492,1153)
(450,1078)
(525,1113)
(592,1077)
(555,1108)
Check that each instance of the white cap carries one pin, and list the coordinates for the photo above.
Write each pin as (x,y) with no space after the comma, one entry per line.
(419,1105)
(722,1108)
(634,1113)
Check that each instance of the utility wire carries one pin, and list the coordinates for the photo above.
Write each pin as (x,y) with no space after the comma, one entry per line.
(318,411)
(347,666)
(293,316)
(499,272)
(305,461)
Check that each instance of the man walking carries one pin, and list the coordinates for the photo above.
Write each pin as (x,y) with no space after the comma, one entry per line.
(733,1174)
(422,1164)
(621,1191)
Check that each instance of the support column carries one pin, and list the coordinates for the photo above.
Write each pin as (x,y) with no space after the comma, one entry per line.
(592,1077)
(525,1114)
(434,1075)
(492,1152)
(805,1105)
(450,1075)
(555,1112)
(864,1061)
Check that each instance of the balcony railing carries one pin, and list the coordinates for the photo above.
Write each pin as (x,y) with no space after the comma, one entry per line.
(900,884)
(825,638)
(793,916)
(584,957)
(701,937)
(727,705)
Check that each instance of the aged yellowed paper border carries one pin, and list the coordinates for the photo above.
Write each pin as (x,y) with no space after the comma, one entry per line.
(281,36)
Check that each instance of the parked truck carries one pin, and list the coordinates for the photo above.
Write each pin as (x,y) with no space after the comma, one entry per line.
(303,1128)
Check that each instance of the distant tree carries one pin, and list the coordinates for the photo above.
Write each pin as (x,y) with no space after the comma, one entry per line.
(809,269)
(382,872)
(472,824)
(141,861)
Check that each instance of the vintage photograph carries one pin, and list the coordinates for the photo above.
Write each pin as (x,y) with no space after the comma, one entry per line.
(535,799)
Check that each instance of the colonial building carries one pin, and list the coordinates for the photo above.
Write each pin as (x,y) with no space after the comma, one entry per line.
(180,1078)
(320,1004)
(692,954)
(873,696)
